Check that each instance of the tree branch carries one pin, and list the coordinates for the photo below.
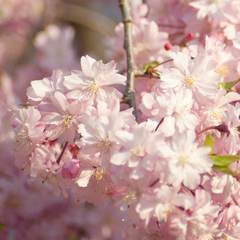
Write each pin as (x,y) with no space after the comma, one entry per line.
(62,152)
(128,45)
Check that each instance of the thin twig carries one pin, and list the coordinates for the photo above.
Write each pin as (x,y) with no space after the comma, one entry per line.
(154,182)
(128,45)
(166,61)
(160,122)
(62,152)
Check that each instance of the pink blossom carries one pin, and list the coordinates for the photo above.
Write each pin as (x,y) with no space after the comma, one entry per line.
(29,131)
(64,117)
(138,148)
(170,172)
(161,206)
(40,89)
(209,8)
(187,73)
(95,78)
(186,157)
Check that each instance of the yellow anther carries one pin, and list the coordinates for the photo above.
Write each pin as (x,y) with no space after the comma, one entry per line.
(105,143)
(137,151)
(99,174)
(130,197)
(22,137)
(189,80)
(67,121)
(93,88)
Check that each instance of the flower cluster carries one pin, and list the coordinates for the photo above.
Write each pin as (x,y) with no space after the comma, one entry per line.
(171,167)
(33,210)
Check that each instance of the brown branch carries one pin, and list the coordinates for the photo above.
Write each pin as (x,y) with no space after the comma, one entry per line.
(160,122)
(128,45)
(154,182)
(62,152)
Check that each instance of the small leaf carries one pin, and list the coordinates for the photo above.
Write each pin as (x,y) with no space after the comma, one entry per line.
(150,65)
(223,170)
(150,69)
(209,142)
(229,85)
(224,160)
(222,163)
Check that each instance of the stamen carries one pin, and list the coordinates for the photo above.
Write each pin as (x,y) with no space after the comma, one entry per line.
(189,80)
(99,174)
(137,151)
(67,121)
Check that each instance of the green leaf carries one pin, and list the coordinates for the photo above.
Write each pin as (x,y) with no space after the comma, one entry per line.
(229,85)
(209,142)
(150,65)
(224,160)
(223,170)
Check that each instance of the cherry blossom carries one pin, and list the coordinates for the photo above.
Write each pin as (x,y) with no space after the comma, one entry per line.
(142,146)
(95,78)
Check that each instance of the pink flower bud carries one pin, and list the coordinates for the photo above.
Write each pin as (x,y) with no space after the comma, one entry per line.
(189,37)
(167,46)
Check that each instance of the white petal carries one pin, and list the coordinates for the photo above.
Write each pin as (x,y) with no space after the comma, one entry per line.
(120,158)
(84,178)
(86,65)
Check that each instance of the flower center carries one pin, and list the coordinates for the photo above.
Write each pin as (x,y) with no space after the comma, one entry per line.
(105,144)
(130,197)
(183,160)
(93,88)
(22,137)
(67,121)
(189,80)
(99,174)
(137,151)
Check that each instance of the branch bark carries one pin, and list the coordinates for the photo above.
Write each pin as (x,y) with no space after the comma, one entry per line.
(129,94)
